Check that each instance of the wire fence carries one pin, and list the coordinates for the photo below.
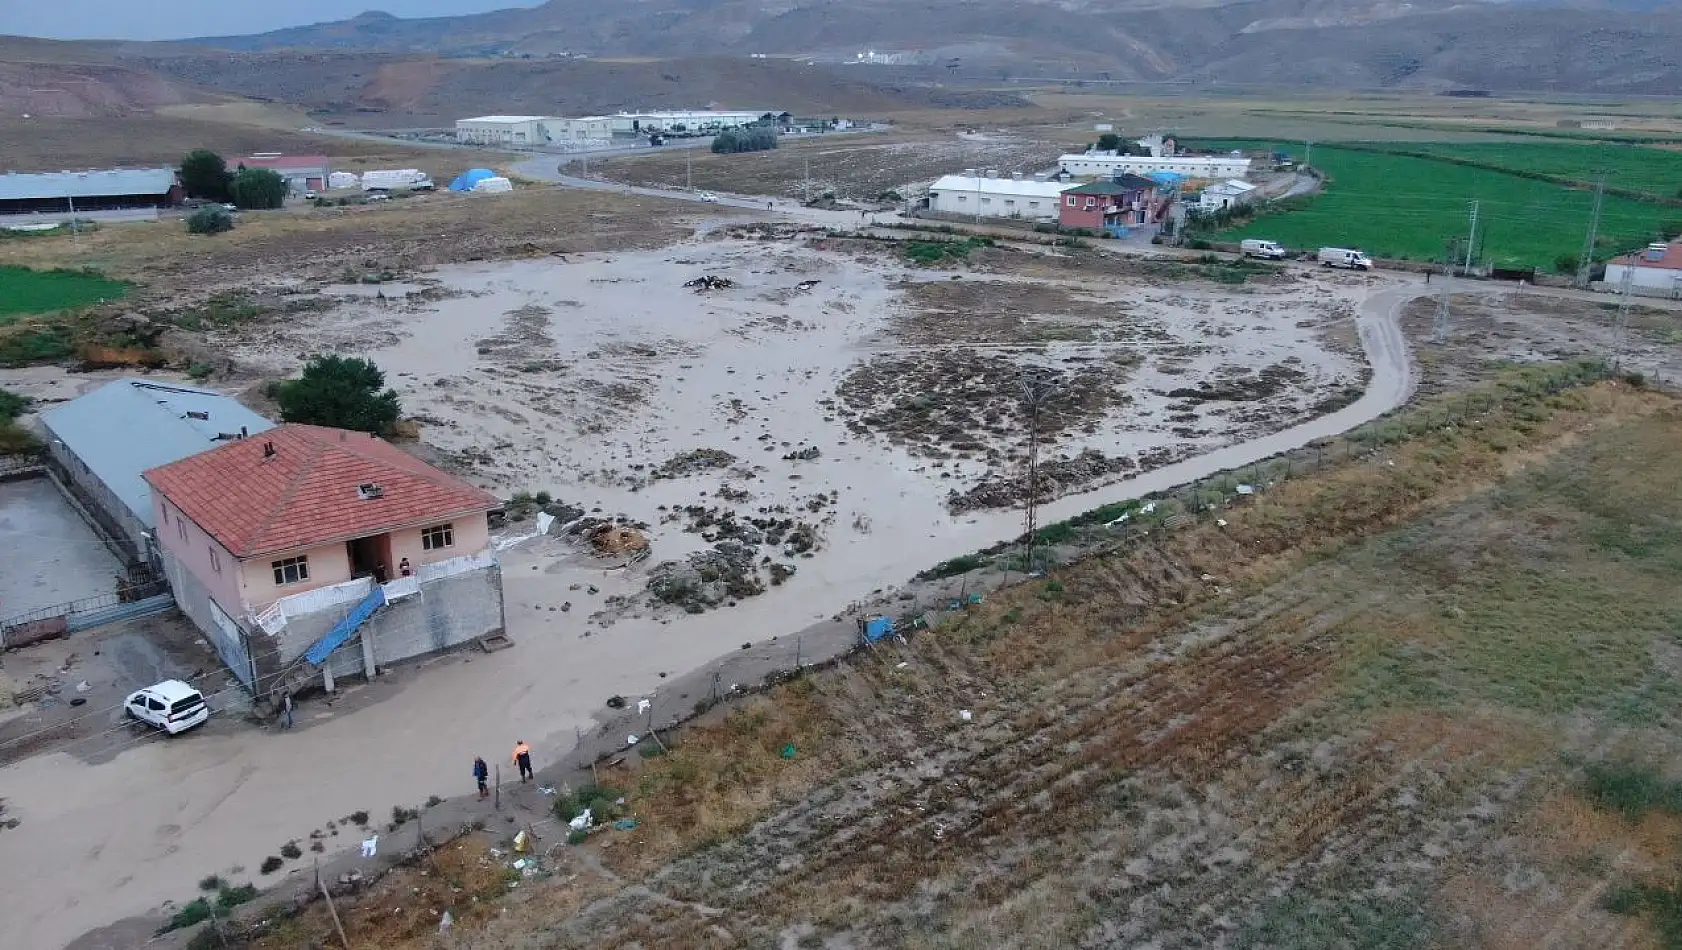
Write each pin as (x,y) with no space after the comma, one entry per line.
(82,614)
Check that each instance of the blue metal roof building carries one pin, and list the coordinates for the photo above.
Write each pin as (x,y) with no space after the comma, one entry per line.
(88,191)
(104,440)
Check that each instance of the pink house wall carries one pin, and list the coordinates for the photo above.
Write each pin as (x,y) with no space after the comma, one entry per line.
(248,586)
(198,553)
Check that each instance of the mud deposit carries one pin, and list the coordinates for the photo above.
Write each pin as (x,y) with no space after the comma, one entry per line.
(820,404)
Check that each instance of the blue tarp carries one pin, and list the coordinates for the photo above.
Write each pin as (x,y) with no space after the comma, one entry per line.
(877,628)
(1165,178)
(343,630)
(467,179)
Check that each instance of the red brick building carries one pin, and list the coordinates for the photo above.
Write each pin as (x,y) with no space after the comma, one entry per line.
(1123,201)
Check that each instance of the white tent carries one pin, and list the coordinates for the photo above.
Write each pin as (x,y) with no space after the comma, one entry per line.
(342,180)
(494,184)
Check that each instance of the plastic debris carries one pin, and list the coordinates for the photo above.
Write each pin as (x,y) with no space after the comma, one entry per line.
(522,842)
(631,740)
(789,751)
(582,822)
(370,845)
(903,664)
(520,865)
(445,922)
(1221,522)
(1147,507)
(642,706)
(546,789)
(83,686)
(965,715)
(625,824)
(1246,489)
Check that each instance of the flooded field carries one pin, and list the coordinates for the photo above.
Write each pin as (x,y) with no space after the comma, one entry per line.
(821,400)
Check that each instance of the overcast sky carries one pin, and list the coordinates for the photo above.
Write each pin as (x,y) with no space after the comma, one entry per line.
(179,19)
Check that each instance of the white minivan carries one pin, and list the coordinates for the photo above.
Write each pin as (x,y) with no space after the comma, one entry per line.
(172,706)
(1268,250)
(1344,257)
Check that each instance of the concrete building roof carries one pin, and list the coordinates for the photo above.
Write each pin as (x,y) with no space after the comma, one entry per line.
(505,118)
(308,162)
(1120,185)
(91,184)
(127,426)
(300,486)
(966,184)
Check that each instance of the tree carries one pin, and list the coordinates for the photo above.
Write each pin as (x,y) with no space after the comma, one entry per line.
(1109,142)
(258,189)
(1566,264)
(205,175)
(210,219)
(339,391)
(731,141)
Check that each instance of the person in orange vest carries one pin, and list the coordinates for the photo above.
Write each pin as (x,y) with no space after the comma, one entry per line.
(522,758)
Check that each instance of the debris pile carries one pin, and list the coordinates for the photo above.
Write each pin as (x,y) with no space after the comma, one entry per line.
(694,463)
(1053,478)
(806,454)
(617,539)
(726,571)
(709,282)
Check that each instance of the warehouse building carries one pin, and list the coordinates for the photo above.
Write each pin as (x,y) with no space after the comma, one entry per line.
(302,172)
(512,130)
(65,193)
(625,125)
(985,194)
(1109,165)
(1654,271)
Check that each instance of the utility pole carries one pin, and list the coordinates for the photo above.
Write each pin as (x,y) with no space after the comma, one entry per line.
(75,232)
(1036,389)
(1308,154)
(689,169)
(1620,332)
(1586,261)
(806,161)
(1471,239)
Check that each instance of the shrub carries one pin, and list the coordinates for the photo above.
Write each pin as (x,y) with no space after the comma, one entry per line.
(258,189)
(210,219)
(359,819)
(271,864)
(291,850)
(1631,789)
(732,141)
(599,799)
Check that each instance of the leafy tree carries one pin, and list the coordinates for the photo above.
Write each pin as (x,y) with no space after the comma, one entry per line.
(1566,264)
(258,188)
(731,141)
(205,175)
(343,392)
(1109,142)
(210,219)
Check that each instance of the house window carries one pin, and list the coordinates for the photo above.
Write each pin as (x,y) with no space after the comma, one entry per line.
(215,561)
(441,536)
(181,526)
(1073,202)
(1089,203)
(1033,204)
(292,570)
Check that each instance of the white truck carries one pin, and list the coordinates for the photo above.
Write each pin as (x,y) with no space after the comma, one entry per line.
(1267,250)
(396,179)
(1344,257)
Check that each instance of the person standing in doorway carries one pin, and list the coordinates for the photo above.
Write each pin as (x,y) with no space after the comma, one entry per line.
(482,776)
(522,758)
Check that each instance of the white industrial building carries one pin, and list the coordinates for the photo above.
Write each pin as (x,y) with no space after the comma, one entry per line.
(989,196)
(591,128)
(1655,271)
(1109,165)
(1225,194)
(503,130)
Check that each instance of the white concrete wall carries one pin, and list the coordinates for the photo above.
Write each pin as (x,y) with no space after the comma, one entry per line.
(1033,207)
(1649,281)
(1087,166)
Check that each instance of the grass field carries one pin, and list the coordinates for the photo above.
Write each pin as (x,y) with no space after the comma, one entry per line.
(1405,207)
(1651,171)
(24,291)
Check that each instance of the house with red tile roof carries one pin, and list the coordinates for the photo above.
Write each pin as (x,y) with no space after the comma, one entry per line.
(308,550)
(1653,271)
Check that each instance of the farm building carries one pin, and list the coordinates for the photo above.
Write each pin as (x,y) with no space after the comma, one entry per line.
(288,548)
(100,443)
(302,172)
(1123,201)
(118,189)
(989,196)
(503,130)
(632,124)
(1109,164)
(1656,270)
(1225,194)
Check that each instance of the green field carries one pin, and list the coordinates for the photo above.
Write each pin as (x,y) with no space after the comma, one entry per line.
(1405,207)
(24,291)
(1651,171)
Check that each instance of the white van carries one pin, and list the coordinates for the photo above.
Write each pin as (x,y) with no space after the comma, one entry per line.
(1344,257)
(1255,247)
(172,706)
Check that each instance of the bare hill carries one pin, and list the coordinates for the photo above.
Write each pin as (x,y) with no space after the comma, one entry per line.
(1588,45)
(417,91)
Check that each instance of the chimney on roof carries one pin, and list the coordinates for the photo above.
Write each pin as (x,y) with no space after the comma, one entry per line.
(242,432)
(369,490)
(268,450)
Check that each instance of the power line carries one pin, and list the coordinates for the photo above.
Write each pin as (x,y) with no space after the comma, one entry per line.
(1471,238)
(1036,388)
(1586,260)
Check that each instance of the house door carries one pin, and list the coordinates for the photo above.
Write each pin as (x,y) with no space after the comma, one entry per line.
(371,557)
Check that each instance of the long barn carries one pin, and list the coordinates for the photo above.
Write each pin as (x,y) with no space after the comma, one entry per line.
(60,193)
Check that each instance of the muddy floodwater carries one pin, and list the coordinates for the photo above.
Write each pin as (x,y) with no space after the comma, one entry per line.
(818,404)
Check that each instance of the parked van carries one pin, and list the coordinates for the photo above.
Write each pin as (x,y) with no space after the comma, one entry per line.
(1344,257)
(1268,250)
